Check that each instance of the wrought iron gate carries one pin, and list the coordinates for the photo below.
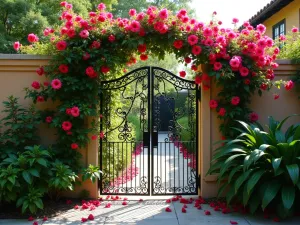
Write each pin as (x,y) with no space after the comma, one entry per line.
(149,121)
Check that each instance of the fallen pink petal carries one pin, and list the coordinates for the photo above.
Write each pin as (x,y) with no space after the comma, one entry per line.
(168,209)
(233,222)
(91,217)
(207,213)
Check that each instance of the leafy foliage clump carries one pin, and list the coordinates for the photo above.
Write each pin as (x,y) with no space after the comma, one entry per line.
(28,172)
(261,168)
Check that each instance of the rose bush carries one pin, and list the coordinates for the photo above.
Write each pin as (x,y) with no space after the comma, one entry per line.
(86,51)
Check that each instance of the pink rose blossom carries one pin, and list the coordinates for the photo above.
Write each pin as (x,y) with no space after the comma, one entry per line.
(196,50)
(61,45)
(75,112)
(17,45)
(56,84)
(84,34)
(135,26)
(207,32)
(244,71)
(217,66)
(163,14)
(193,39)
(66,125)
(235,62)
(235,20)
(63,4)
(282,37)
(261,28)
(101,6)
(246,24)
(294,29)
(132,12)
(32,38)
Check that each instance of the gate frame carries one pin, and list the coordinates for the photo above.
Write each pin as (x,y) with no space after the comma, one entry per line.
(150,92)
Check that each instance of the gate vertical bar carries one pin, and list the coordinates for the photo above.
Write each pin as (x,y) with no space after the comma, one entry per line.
(100,139)
(150,124)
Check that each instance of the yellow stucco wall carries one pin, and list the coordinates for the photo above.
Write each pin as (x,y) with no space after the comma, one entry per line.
(265,106)
(290,13)
(18,71)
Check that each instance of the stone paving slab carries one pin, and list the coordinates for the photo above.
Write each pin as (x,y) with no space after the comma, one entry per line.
(152,212)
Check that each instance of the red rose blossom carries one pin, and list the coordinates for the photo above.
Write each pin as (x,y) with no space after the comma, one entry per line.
(105,69)
(235,100)
(253,117)
(213,104)
(36,85)
(276,96)
(40,99)
(142,48)
(91,217)
(187,60)
(182,74)
(143,57)
(289,85)
(61,45)
(40,71)
(74,146)
(90,72)
(222,112)
(63,68)
(178,44)
(48,119)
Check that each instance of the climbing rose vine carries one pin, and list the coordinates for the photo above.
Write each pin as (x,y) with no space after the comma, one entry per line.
(86,51)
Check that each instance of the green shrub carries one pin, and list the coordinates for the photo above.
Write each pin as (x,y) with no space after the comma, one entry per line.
(261,168)
(19,127)
(29,174)
(25,178)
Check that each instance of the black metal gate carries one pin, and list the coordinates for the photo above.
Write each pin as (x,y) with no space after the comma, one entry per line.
(149,122)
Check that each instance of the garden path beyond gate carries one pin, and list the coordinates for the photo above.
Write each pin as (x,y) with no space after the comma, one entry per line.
(149,126)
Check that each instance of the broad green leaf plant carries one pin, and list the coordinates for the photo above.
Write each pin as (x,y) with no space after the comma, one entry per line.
(261,168)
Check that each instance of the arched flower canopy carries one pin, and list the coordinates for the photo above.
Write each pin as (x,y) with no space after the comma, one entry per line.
(86,51)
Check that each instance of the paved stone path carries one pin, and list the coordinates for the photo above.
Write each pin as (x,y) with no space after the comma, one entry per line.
(152,212)
(170,168)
